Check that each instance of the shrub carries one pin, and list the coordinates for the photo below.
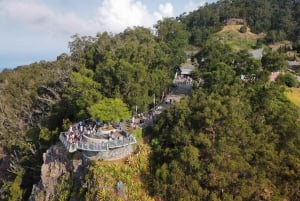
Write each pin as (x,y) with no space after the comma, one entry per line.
(243,29)
(287,79)
(259,43)
(296,45)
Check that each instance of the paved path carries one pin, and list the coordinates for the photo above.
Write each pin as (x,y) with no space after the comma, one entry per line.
(179,92)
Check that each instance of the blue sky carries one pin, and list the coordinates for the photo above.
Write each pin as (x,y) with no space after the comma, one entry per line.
(35,30)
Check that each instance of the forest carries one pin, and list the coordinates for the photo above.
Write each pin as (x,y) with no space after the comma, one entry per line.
(232,139)
(279,19)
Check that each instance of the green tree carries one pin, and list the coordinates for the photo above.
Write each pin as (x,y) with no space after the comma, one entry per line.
(259,43)
(296,45)
(220,78)
(215,52)
(174,34)
(46,136)
(109,110)
(134,67)
(287,79)
(273,61)
(225,139)
(243,29)
(275,36)
(81,93)
(15,190)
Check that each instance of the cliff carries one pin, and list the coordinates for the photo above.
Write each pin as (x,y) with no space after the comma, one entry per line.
(59,172)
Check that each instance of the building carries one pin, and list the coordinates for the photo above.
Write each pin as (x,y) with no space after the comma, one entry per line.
(184,72)
(183,76)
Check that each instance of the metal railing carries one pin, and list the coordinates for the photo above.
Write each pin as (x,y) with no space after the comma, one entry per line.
(90,146)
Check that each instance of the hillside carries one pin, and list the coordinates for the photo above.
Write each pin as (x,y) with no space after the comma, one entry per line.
(232,139)
(260,16)
(231,35)
(66,176)
(294,95)
(40,100)
(224,142)
(133,173)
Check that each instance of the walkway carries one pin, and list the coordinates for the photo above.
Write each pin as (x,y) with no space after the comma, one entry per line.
(182,89)
(92,146)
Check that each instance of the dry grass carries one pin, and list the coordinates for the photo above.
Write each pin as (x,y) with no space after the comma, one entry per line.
(294,95)
(231,35)
(2,155)
(277,45)
(235,28)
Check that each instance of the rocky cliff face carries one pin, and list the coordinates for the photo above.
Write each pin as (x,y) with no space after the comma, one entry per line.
(59,170)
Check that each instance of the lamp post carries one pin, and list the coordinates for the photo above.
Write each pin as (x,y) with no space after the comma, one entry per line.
(136,110)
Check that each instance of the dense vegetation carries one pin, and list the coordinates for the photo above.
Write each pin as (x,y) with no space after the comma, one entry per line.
(102,179)
(279,19)
(27,94)
(233,139)
(40,100)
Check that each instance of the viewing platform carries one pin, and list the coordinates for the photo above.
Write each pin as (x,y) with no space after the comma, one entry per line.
(98,142)
(96,146)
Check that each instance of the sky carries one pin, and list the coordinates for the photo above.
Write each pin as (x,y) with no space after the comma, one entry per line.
(36,30)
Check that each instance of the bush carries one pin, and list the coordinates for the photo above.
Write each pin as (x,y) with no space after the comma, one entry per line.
(259,43)
(138,133)
(243,29)
(287,79)
(275,36)
(296,46)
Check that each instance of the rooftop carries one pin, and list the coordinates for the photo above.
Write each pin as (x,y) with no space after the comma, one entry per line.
(186,70)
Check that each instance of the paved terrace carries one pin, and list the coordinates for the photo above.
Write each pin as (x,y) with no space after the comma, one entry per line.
(102,140)
(96,146)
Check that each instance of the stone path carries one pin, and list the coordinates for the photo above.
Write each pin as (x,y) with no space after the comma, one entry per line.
(179,92)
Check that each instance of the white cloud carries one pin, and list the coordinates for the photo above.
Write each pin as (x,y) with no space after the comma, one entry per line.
(115,16)
(194,5)
(165,10)
(33,28)
(112,16)
(42,17)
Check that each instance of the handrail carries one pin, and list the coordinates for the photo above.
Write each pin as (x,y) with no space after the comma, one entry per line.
(103,146)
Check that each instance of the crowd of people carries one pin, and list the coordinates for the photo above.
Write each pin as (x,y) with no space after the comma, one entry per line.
(76,131)
(94,129)
(183,80)
(73,136)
